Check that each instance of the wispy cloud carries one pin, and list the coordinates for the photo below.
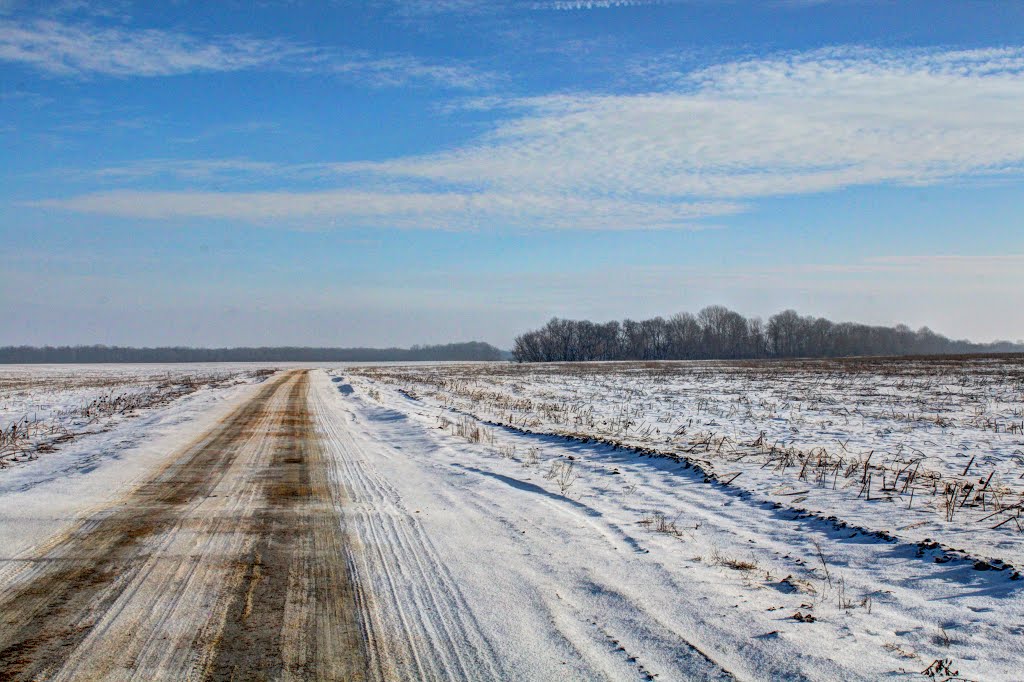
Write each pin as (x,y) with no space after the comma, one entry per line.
(427,7)
(402,70)
(704,144)
(784,125)
(477,7)
(64,49)
(946,265)
(359,208)
(606,4)
(198,170)
(597,4)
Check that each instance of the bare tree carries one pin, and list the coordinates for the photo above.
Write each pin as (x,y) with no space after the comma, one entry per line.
(717,332)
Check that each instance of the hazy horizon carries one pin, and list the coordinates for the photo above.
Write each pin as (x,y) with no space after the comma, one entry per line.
(384,344)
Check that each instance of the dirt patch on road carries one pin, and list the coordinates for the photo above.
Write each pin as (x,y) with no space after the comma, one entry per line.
(280,600)
(297,559)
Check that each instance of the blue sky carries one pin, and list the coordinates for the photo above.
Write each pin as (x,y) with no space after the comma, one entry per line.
(389,173)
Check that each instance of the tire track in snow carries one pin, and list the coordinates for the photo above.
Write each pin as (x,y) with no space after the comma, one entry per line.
(573,605)
(418,623)
(229,563)
(584,627)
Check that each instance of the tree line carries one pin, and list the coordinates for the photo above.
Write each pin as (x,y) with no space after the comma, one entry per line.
(471,350)
(717,333)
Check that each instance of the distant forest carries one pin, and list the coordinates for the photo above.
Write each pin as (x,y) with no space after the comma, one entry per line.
(471,350)
(717,333)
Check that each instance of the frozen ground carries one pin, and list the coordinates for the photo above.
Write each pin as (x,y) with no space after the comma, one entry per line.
(87,461)
(927,449)
(469,550)
(44,407)
(880,576)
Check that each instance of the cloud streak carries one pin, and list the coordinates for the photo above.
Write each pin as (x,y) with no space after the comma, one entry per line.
(395,71)
(596,4)
(437,210)
(62,49)
(83,50)
(569,5)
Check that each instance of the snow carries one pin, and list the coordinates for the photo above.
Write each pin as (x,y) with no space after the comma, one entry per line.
(497,534)
(41,495)
(44,406)
(760,422)
(585,575)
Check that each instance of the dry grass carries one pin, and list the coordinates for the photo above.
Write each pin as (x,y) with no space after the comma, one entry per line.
(719,414)
(563,473)
(719,559)
(27,437)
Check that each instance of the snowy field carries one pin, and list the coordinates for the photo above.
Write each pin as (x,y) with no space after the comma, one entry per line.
(853,520)
(918,448)
(880,498)
(45,406)
(76,436)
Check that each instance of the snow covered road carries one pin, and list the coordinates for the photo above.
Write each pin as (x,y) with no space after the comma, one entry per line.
(471,574)
(327,528)
(226,563)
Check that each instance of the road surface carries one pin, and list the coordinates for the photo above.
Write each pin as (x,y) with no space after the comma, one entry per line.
(334,528)
(227,564)
(288,543)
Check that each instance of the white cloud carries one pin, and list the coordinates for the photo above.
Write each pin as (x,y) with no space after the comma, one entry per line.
(785,125)
(83,49)
(402,70)
(595,4)
(63,49)
(701,146)
(413,8)
(440,210)
(605,4)
(185,169)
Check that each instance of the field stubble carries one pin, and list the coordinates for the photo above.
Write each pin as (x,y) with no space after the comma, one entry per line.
(902,443)
(43,408)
